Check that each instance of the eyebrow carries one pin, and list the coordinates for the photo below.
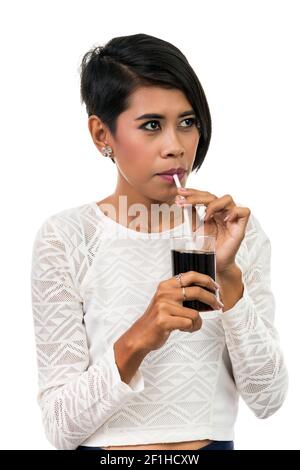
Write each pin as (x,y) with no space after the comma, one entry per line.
(160,116)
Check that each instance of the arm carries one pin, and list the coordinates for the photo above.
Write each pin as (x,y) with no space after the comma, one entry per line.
(231,287)
(75,398)
(248,320)
(128,357)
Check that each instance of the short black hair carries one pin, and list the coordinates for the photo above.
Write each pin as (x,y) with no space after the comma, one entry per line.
(109,74)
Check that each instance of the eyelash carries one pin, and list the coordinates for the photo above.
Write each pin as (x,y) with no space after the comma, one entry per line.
(143,126)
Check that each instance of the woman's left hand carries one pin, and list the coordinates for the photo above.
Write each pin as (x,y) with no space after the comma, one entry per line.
(224,219)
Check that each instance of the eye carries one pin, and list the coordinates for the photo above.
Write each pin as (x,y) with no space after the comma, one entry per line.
(190,119)
(143,126)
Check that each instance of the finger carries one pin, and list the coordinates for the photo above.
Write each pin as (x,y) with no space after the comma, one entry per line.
(179,199)
(194,325)
(184,319)
(192,191)
(194,196)
(195,278)
(180,294)
(185,324)
(185,312)
(222,204)
(199,293)
(238,213)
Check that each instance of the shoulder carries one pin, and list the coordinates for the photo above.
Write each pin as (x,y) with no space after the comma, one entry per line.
(255,235)
(66,217)
(70,225)
(253,222)
(70,239)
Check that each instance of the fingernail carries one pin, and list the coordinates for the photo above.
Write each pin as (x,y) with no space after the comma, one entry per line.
(180,203)
(179,199)
(183,190)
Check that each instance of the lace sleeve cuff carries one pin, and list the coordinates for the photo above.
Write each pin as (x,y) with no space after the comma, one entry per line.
(239,313)
(136,384)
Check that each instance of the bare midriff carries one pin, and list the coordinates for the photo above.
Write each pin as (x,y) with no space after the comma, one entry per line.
(188,445)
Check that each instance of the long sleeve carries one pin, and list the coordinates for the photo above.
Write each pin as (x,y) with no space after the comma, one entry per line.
(75,398)
(251,337)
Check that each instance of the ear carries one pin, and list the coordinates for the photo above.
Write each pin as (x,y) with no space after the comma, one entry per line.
(99,132)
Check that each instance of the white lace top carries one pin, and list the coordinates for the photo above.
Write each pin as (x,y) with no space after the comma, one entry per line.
(91,279)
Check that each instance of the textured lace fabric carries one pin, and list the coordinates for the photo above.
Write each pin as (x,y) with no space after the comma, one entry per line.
(91,280)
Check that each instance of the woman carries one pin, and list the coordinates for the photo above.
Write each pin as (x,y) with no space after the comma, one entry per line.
(122,363)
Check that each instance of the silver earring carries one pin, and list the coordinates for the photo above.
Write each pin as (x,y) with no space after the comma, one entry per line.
(106,151)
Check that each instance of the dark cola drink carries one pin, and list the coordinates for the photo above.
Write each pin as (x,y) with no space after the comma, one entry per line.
(205,263)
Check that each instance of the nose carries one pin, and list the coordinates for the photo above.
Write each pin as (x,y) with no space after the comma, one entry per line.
(178,153)
(172,146)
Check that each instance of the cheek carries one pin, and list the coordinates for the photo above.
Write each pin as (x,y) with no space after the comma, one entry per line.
(136,153)
(195,140)
(193,145)
(131,144)
(133,160)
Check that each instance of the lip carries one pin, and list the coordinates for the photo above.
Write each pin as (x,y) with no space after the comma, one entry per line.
(169,178)
(173,171)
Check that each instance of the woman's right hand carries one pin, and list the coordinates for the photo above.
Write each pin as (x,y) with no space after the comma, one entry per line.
(166,313)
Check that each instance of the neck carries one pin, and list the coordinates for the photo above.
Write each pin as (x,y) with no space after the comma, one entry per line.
(143,214)
(160,217)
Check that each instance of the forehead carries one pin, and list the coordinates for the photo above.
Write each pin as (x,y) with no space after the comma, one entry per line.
(158,100)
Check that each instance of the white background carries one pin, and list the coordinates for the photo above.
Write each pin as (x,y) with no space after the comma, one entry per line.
(246,55)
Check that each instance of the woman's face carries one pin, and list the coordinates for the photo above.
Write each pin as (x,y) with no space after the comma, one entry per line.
(144,147)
